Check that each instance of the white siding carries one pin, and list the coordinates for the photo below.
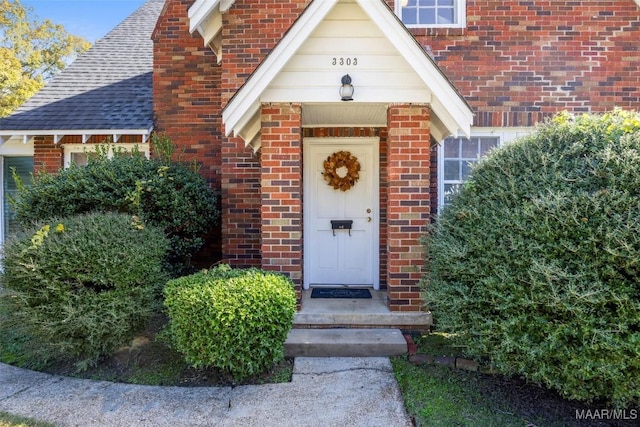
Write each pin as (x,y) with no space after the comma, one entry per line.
(379,73)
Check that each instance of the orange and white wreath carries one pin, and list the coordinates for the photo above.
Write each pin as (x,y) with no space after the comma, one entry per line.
(341,170)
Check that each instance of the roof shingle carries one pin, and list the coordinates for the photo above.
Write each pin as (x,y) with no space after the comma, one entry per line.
(107,87)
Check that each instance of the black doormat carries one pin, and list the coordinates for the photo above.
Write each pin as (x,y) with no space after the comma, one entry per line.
(340,293)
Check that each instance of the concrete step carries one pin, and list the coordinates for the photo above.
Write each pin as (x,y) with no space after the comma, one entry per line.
(344,343)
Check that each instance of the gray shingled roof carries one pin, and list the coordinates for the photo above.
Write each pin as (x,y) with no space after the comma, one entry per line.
(107,87)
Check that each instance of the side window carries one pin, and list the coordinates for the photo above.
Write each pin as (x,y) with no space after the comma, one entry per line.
(432,13)
(23,167)
(80,154)
(458,155)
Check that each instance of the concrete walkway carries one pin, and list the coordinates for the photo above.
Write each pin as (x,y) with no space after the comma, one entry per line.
(324,392)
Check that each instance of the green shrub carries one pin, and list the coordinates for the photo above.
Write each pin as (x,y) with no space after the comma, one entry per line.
(235,320)
(84,284)
(536,263)
(170,195)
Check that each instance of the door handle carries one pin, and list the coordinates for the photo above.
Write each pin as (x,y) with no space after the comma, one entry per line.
(368,219)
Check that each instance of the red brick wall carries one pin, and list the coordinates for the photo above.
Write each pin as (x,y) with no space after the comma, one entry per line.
(47,156)
(281,186)
(250,31)
(408,205)
(186,93)
(519,61)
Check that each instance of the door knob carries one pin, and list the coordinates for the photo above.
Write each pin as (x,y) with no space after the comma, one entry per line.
(368,219)
(368,210)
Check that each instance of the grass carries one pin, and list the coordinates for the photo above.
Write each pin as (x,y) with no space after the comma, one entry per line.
(10,420)
(442,396)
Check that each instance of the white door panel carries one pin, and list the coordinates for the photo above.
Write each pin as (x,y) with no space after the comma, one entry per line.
(341,257)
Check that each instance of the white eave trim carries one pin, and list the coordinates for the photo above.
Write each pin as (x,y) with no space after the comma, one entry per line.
(247,99)
(205,17)
(58,134)
(454,114)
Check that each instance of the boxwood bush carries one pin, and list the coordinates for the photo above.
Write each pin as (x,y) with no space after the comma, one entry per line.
(170,195)
(83,285)
(235,320)
(536,263)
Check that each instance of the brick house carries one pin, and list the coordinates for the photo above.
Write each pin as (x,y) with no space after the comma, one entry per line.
(254,92)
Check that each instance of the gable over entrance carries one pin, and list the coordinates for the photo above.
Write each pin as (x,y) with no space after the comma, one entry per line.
(362,38)
(402,101)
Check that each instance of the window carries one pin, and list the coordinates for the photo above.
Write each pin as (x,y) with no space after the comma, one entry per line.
(458,156)
(80,154)
(432,13)
(23,167)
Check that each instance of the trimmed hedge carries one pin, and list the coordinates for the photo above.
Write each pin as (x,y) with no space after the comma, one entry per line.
(536,263)
(85,284)
(171,195)
(232,319)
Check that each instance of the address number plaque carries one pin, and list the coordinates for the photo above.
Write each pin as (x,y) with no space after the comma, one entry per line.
(350,61)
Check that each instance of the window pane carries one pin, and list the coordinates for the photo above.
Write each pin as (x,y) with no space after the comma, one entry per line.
(445,16)
(450,190)
(470,148)
(487,144)
(81,159)
(451,170)
(429,3)
(24,169)
(409,15)
(451,148)
(447,3)
(466,169)
(427,16)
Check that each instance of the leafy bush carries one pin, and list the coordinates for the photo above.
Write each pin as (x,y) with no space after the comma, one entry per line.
(84,284)
(232,319)
(170,195)
(536,263)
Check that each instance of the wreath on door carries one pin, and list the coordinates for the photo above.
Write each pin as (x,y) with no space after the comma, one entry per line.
(341,170)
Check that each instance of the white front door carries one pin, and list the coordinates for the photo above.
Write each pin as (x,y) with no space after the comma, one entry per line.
(341,256)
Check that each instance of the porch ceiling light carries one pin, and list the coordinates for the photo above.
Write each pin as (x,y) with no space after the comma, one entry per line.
(346,90)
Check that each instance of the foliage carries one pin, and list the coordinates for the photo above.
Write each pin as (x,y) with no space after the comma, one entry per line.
(536,264)
(232,319)
(10,420)
(15,88)
(171,195)
(84,284)
(31,52)
(440,396)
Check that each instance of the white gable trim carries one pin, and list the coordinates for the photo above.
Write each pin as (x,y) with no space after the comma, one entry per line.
(454,117)
(457,117)
(205,17)
(247,100)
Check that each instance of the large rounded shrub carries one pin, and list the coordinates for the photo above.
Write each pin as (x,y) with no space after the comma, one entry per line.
(536,263)
(170,195)
(83,285)
(232,319)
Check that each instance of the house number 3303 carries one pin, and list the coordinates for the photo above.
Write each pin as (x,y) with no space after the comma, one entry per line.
(344,61)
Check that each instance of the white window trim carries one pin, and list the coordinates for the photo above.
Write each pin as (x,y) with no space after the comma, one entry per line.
(505,136)
(91,148)
(461,16)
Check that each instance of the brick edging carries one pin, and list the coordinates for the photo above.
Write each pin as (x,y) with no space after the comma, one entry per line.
(449,361)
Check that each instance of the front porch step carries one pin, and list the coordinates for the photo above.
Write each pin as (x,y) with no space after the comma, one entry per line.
(357,313)
(417,321)
(345,343)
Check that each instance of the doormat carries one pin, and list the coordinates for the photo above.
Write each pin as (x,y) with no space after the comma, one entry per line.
(340,293)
